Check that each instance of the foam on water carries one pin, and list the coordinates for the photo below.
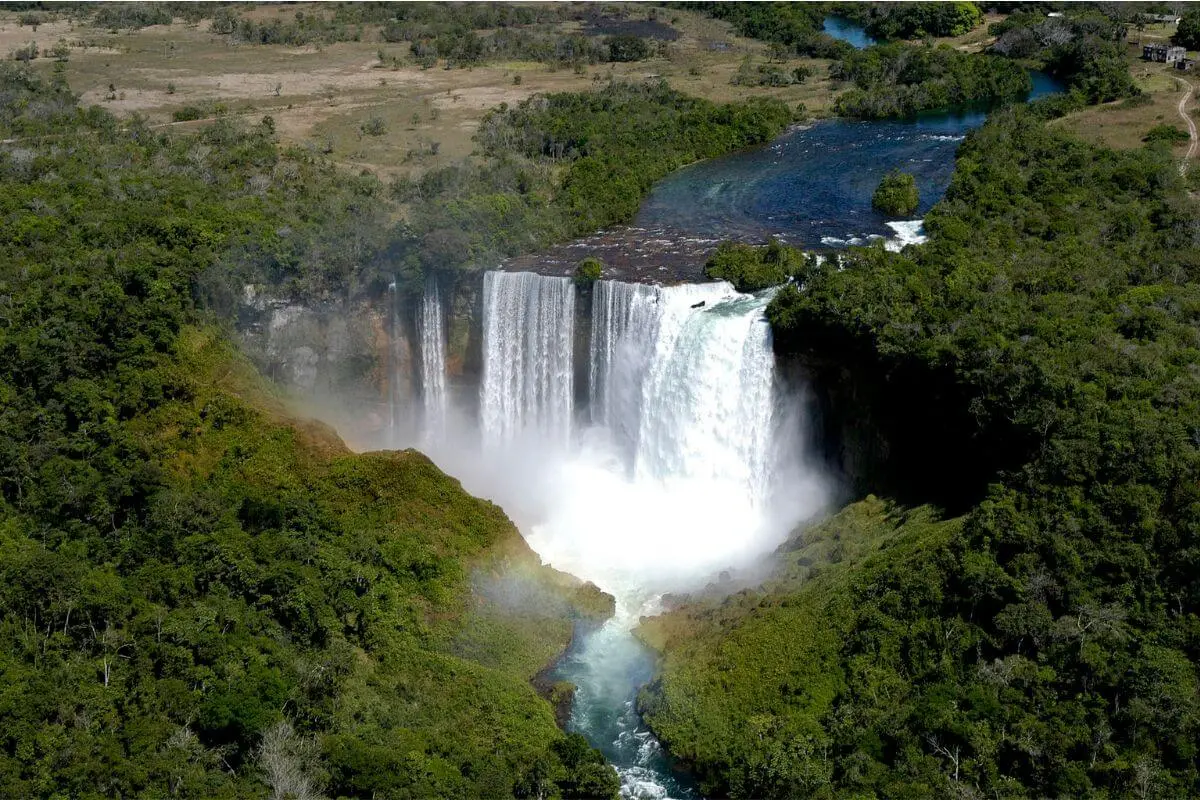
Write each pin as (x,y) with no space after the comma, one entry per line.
(668,479)
(907,232)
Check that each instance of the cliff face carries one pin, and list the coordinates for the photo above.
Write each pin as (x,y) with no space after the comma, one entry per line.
(464,341)
(894,429)
(350,352)
(357,363)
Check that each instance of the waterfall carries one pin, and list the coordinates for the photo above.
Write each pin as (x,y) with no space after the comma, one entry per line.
(528,337)
(682,378)
(432,330)
(623,315)
(664,485)
(395,358)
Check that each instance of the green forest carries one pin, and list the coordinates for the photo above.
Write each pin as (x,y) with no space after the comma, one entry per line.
(204,596)
(200,596)
(900,80)
(1037,363)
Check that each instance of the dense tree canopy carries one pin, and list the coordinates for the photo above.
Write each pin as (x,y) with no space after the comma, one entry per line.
(1084,49)
(795,25)
(900,79)
(1047,643)
(752,268)
(199,597)
(913,20)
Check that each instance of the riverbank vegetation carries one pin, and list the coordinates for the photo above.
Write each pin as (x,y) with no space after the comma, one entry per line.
(901,80)
(751,268)
(1044,343)
(1081,47)
(896,194)
(796,26)
(889,21)
(889,79)
(200,596)
(1084,50)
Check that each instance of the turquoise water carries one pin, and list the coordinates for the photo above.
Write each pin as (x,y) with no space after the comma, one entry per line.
(847,31)
(608,666)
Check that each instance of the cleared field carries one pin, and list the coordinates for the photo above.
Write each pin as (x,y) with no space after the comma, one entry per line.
(1124,124)
(367,104)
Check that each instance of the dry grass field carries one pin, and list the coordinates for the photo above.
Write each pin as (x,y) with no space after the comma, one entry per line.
(368,104)
(1124,124)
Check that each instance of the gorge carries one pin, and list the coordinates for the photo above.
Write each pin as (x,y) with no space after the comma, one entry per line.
(319,482)
(655,473)
(638,429)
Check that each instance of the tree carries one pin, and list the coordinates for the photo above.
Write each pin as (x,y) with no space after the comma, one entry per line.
(286,760)
(896,194)
(589,271)
(1188,33)
(625,47)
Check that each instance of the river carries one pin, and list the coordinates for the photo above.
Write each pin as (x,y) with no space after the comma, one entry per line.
(671,471)
(811,187)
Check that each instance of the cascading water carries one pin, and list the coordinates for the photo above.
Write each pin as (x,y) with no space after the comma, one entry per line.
(623,315)
(432,329)
(682,382)
(667,485)
(528,335)
(396,409)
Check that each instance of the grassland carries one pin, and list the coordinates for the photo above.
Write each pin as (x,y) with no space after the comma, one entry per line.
(370,105)
(323,97)
(1124,124)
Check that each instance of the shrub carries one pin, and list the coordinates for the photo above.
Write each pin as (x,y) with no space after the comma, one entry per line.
(188,113)
(27,53)
(1166,133)
(896,194)
(589,271)
(373,126)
